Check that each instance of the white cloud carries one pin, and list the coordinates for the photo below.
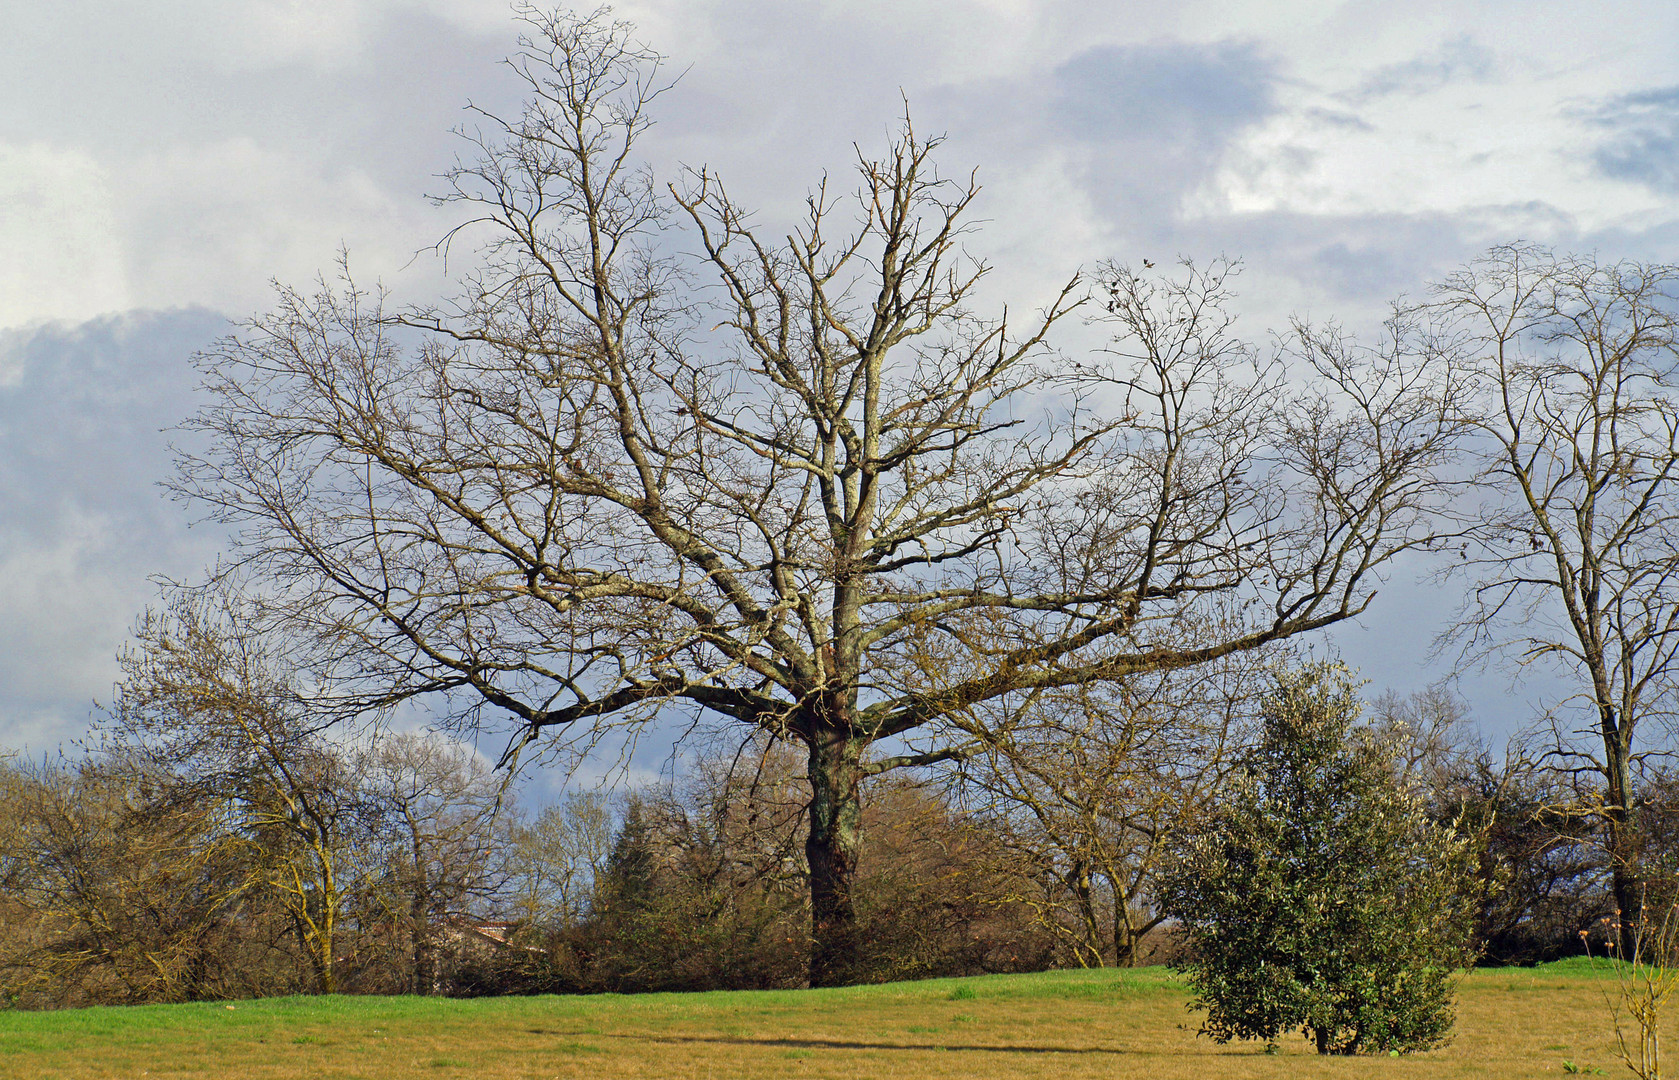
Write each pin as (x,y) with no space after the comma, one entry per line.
(190,224)
(60,245)
(1440,133)
(194,149)
(212,224)
(1497,152)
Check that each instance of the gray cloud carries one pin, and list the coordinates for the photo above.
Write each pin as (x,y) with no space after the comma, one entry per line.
(1165,92)
(1145,126)
(1339,118)
(1094,157)
(1640,138)
(1458,60)
(1356,261)
(82,447)
(1155,120)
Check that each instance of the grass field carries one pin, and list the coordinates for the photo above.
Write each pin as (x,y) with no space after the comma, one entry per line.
(1518,1022)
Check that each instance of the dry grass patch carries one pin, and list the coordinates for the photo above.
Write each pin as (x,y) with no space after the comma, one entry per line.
(1055,1026)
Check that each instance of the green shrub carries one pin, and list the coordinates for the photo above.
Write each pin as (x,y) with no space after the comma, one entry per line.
(1321,897)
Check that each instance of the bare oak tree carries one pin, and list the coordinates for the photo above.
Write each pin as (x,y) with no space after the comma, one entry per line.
(589,490)
(1577,565)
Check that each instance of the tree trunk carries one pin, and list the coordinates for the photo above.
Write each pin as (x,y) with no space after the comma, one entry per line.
(1126,935)
(328,945)
(1629,903)
(836,832)
(1623,843)
(326,924)
(424,973)
(317,936)
(1089,950)
(424,970)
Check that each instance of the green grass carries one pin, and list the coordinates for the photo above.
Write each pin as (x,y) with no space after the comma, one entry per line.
(1515,1022)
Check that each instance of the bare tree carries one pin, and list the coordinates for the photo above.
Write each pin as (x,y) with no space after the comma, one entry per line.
(433,806)
(1577,567)
(587,491)
(558,857)
(1428,733)
(115,893)
(1092,788)
(215,711)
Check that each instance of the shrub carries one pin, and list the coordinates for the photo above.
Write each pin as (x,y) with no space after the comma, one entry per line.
(1321,897)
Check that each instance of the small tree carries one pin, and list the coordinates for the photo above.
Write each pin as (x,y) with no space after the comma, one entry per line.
(1321,896)
(211,709)
(1646,977)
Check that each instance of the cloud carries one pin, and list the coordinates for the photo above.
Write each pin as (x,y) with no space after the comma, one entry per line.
(1107,146)
(1165,92)
(1640,138)
(1458,60)
(1423,148)
(156,155)
(1156,120)
(82,519)
(60,247)
(161,171)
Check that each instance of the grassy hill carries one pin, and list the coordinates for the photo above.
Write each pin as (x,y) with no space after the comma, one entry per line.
(1058,1026)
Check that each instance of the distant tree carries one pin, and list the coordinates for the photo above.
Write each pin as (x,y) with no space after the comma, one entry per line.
(211,708)
(943,893)
(1541,876)
(440,846)
(702,888)
(1321,897)
(1428,730)
(558,858)
(629,883)
(1091,790)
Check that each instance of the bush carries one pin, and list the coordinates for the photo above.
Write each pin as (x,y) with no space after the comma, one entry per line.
(1321,897)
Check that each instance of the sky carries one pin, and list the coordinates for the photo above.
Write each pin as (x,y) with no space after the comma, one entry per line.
(162,163)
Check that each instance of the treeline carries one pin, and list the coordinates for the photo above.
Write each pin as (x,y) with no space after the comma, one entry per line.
(390,868)
(216,844)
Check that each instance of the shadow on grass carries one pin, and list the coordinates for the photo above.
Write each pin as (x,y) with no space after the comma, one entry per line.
(852,1044)
(849,1044)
